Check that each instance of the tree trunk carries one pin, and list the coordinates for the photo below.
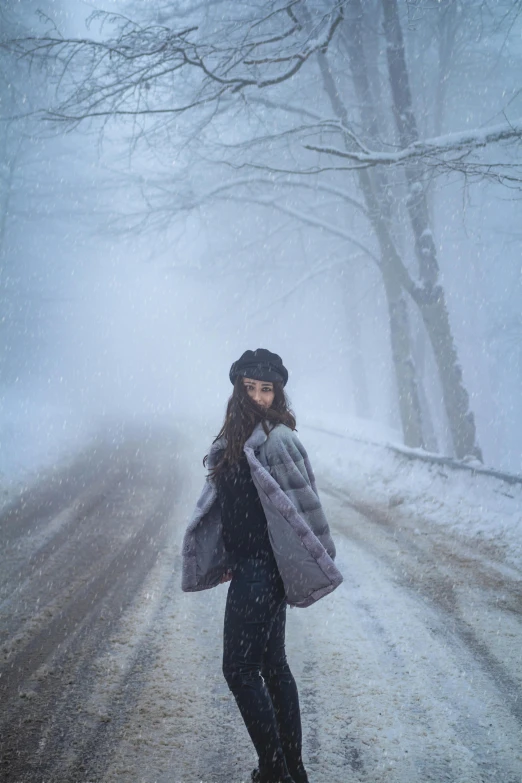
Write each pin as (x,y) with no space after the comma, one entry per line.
(401,345)
(405,370)
(430,298)
(430,437)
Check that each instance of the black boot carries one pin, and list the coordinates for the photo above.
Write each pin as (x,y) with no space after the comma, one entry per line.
(275,772)
(298,775)
(271,779)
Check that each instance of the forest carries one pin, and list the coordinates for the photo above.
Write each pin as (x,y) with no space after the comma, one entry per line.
(346,173)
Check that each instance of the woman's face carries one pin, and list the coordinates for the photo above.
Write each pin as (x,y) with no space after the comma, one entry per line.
(262,392)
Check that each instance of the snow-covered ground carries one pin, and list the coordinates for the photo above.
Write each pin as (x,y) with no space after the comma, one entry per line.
(368,463)
(409,672)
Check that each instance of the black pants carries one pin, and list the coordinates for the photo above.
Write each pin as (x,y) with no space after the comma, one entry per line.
(255,665)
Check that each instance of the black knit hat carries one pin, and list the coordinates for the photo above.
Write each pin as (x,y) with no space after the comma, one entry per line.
(262,365)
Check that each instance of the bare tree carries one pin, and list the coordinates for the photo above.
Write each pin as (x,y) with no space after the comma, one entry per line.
(429,296)
(200,63)
(377,207)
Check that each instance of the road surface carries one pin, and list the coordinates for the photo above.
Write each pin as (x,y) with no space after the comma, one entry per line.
(411,671)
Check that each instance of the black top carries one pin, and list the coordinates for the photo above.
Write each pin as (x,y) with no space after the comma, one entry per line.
(245,532)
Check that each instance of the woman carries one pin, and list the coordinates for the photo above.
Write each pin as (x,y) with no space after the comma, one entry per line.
(260,524)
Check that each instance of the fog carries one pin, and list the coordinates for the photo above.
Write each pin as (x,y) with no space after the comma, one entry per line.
(336,181)
(141,254)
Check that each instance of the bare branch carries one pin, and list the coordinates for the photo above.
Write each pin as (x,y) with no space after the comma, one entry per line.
(130,72)
(441,145)
(313,220)
(274,183)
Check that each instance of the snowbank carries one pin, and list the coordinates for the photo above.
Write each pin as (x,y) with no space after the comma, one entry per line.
(365,463)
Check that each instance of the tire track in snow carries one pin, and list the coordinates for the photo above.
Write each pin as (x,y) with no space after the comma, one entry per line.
(62,547)
(55,490)
(439,588)
(121,707)
(53,668)
(443,686)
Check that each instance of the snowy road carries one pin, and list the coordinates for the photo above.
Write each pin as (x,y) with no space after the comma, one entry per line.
(410,672)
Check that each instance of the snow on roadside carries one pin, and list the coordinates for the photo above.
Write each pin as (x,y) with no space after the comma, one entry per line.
(363,462)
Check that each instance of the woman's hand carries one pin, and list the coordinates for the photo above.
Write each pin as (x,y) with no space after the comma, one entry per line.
(227,576)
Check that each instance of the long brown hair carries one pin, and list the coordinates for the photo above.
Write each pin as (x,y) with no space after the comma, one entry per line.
(242,416)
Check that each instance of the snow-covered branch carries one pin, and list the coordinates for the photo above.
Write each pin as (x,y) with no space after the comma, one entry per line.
(435,147)
(151,69)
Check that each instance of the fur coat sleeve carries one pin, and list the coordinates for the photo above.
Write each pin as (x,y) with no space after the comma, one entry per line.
(286,460)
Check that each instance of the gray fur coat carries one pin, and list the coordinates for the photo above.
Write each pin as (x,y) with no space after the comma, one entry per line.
(297,527)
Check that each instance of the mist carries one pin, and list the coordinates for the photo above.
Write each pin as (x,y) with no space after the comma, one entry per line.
(129,288)
(338,182)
